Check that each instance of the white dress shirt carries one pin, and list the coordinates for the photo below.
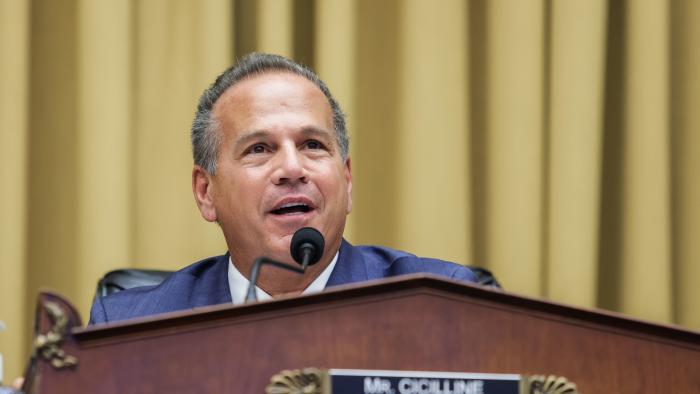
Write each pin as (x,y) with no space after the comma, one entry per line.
(238,284)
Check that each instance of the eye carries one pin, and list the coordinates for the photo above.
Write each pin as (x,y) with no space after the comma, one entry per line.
(313,144)
(256,149)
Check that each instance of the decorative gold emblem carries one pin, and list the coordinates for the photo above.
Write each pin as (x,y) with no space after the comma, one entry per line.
(298,381)
(540,384)
(48,345)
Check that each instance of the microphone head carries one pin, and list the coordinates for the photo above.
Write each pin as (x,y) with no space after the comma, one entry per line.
(307,238)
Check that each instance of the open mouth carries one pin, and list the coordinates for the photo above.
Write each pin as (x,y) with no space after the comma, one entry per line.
(292,208)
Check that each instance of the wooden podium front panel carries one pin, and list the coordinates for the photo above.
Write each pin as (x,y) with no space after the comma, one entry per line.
(410,324)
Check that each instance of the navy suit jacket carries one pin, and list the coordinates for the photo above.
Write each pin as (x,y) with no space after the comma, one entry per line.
(206,282)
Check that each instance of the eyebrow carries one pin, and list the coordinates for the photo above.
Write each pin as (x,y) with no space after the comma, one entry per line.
(250,136)
(309,131)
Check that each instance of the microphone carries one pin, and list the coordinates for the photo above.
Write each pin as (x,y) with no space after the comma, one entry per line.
(306,249)
(307,246)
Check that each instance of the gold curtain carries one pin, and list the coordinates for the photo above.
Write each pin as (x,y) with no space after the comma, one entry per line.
(553,142)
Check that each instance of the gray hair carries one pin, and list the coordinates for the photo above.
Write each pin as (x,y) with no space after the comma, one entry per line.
(206,135)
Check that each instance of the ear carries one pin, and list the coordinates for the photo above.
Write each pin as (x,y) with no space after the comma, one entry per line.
(348,179)
(202,189)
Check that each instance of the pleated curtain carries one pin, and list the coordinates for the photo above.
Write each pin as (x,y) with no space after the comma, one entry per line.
(556,143)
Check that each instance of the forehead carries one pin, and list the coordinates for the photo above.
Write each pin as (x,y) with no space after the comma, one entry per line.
(270,98)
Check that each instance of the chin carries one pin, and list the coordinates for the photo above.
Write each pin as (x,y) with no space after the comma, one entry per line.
(279,249)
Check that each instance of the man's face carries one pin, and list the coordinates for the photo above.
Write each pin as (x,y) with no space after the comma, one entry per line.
(279,168)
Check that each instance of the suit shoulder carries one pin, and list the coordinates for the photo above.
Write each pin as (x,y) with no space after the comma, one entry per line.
(386,262)
(381,254)
(176,292)
(192,271)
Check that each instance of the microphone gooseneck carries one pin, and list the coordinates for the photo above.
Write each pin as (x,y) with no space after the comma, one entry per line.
(255,272)
(306,248)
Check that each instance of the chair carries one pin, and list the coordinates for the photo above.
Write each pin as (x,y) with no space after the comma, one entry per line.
(122,279)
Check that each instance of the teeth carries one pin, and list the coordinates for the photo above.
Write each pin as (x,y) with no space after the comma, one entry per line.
(292,204)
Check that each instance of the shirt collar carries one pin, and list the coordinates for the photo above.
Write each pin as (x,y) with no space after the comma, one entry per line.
(238,284)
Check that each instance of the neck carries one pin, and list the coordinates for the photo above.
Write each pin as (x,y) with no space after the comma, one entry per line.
(279,281)
(276,281)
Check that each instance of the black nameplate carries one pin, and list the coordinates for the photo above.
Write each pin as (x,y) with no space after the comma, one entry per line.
(353,381)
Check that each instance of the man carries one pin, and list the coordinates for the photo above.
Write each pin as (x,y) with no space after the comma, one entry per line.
(271,156)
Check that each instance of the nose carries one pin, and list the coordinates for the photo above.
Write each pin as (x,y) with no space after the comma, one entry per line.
(289,168)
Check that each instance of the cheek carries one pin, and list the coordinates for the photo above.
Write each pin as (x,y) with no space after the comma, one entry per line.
(230,188)
(247,188)
(335,188)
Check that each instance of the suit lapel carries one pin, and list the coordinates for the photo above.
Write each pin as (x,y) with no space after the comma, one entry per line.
(350,267)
